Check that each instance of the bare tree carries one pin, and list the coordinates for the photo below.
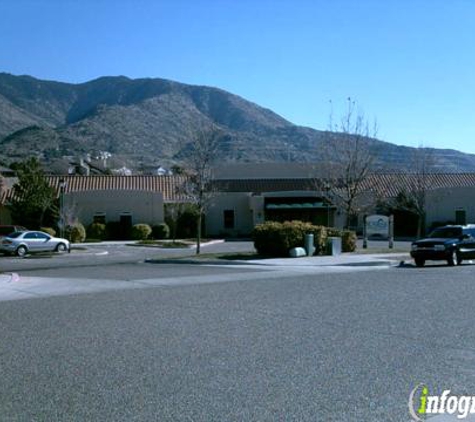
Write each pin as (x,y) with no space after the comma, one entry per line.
(412,196)
(173,211)
(347,162)
(198,187)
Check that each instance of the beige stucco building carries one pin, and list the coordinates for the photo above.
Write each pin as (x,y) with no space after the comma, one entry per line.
(243,201)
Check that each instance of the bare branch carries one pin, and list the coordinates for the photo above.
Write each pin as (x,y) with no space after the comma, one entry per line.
(347,161)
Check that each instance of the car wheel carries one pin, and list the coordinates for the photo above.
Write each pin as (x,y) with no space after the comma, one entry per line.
(453,259)
(61,247)
(420,262)
(21,251)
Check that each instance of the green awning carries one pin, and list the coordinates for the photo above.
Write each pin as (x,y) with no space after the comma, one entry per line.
(288,206)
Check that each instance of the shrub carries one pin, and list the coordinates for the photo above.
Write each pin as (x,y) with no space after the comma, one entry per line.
(141,231)
(96,231)
(333,232)
(186,223)
(348,241)
(49,230)
(161,231)
(76,233)
(276,239)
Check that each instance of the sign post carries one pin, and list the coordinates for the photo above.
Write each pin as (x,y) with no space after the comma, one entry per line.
(379,226)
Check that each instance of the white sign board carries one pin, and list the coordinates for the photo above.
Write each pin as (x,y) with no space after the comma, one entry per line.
(377,226)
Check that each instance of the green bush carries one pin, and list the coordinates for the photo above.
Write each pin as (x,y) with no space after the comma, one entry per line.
(76,233)
(276,239)
(49,230)
(348,241)
(141,231)
(161,231)
(333,232)
(186,224)
(96,231)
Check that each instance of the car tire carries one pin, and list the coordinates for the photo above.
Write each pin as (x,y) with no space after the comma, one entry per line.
(420,262)
(21,251)
(61,247)
(453,259)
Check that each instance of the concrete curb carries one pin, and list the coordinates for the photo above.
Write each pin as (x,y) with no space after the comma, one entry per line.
(290,263)
(190,246)
(9,277)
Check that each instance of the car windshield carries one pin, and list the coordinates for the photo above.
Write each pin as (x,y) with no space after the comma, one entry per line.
(446,233)
(14,234)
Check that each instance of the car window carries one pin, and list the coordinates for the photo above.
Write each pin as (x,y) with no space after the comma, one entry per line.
(15,234)
(446,233)
(30,236)
(41,235)
(471,232)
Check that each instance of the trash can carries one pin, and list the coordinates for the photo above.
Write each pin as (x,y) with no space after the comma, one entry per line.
(334,246)
(309,244)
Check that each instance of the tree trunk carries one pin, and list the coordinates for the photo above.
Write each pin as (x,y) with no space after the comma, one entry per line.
(420,225)
(174,224)
(198,234)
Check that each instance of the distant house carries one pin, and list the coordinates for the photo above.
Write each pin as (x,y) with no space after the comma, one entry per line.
(123,171)
(85,167)
(6,172)
(157,171)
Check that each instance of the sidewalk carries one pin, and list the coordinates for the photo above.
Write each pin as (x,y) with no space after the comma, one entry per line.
(345,259)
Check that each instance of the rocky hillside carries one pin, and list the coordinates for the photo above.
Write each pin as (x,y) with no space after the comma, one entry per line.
(142,122)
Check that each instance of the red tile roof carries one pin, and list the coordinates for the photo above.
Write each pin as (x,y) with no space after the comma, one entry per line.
(388,185)
(168,185)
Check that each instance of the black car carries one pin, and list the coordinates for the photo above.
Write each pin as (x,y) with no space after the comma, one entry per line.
(448,243)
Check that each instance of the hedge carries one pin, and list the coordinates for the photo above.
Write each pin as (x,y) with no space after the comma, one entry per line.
(49,230)
(141,231)
(348,241)
(96,231)
(76,233)
(276,239)
(161,231)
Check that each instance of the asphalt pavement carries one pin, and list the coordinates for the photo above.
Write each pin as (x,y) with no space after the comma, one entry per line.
(224,343)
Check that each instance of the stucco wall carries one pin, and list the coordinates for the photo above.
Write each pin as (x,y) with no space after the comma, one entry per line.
(5,217)
(441,204)
(243,216)
(144,207)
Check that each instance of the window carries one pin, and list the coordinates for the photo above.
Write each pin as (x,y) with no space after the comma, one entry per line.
(228,219)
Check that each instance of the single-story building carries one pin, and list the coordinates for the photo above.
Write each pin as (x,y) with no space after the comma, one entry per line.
(245,200)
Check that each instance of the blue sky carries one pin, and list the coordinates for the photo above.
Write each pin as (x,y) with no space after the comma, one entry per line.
(408,63)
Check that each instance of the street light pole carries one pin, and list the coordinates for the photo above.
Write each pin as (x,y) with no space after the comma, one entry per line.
(327,189)
(62,187)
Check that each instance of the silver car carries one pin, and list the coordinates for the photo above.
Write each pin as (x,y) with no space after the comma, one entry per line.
(23,242)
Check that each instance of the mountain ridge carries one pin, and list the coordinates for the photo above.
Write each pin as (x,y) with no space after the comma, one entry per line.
(148,121)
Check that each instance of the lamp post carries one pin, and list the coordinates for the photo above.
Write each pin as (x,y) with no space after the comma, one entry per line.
(326,188)
(62,187)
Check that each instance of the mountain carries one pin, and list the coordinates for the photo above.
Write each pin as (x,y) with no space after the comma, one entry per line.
(143,122)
